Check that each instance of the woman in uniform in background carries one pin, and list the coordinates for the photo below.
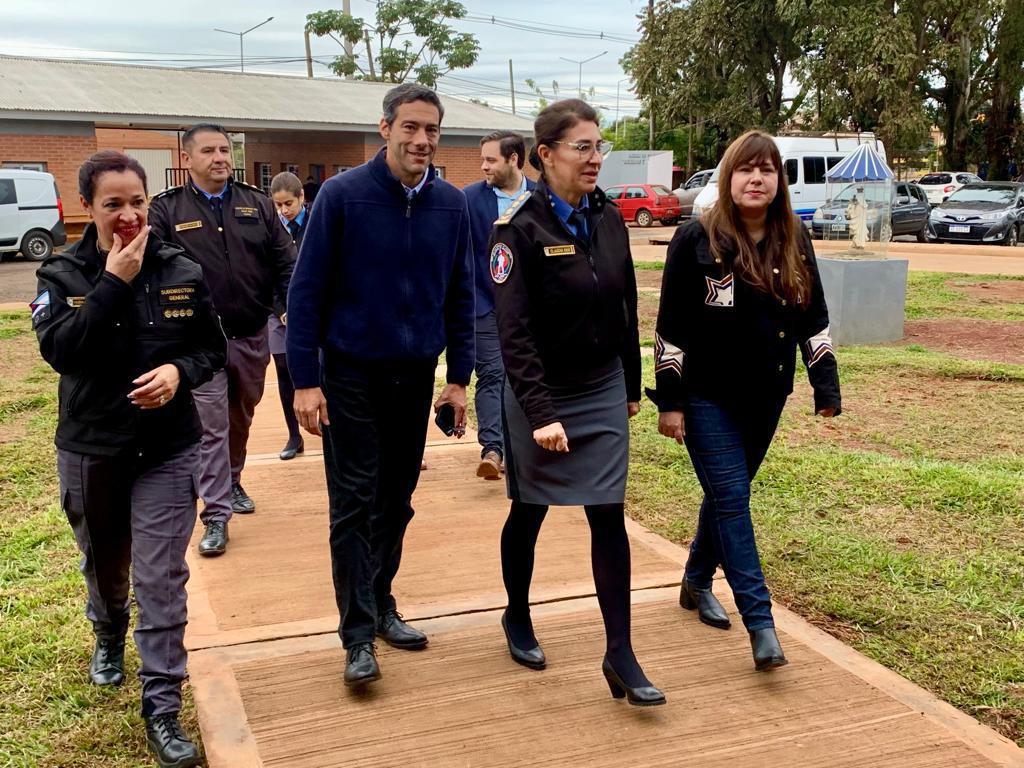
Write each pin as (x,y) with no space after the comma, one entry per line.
(740,291)
(566,306)
(126,321)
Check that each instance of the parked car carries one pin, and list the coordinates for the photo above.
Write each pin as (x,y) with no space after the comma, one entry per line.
(908,215)
(986,212)
(643,203)
(688,192)
(31,214)
(941,184)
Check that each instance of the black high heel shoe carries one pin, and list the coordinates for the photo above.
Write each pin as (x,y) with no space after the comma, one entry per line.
(709,610)
(767,650)
(292,450)
(532,658)
(644,696)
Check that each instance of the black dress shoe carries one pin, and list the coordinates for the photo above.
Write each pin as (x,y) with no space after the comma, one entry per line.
(767,651)
(166,740)
(292,450)
(532,658)
(361,665)
(396,633)
(215,539)
(107,665)
(644,696)
(241,503)
(709,610)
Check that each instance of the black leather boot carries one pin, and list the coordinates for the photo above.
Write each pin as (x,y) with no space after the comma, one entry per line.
(241,502)
(168,742)
(215,539)
(361,665)
(107,665)
(396,633)
(709,610)
(767,651)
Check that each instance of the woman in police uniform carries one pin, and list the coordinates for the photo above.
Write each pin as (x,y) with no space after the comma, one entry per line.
(740,291)
(566,303)
(126,321)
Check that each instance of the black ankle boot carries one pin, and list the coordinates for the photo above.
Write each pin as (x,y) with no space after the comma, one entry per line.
(709,610)
(643,696)
(528,657)
(107,665)
(166,740)
(767,651)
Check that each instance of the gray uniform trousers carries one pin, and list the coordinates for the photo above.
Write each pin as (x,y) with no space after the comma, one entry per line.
(226,404)
(126,513)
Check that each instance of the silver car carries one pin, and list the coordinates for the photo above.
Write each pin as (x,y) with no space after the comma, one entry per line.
(689,191)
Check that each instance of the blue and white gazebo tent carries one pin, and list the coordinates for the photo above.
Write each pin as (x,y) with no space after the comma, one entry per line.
(863,180)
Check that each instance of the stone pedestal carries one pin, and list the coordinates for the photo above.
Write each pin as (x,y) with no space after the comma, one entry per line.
(866,298)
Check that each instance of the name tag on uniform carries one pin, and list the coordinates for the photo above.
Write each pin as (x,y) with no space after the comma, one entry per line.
(188,225)
(76,301)
(176,294)
(244,212)
(560,250)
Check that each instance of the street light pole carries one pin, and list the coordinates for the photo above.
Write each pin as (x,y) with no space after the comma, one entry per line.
(581,63)
(241,36)
(617,105)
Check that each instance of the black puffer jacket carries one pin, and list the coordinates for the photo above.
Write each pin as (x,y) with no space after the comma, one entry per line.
(100,333)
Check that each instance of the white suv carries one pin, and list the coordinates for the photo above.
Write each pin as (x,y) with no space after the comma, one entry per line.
(31,214)
(939,185)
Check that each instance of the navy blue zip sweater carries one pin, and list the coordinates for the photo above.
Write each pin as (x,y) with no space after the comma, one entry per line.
(382,279)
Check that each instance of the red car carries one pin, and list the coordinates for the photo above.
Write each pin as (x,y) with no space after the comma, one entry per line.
(643,203)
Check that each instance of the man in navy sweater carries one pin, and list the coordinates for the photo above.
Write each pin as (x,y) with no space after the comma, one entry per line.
(501,159)
(383,284)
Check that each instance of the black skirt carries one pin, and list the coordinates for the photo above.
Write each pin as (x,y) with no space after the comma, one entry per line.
(594,470)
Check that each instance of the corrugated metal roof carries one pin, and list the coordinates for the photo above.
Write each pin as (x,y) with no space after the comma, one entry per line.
(58,89)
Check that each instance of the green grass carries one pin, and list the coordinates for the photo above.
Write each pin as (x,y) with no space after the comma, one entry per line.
(50,716)
(941,295)
(898,527)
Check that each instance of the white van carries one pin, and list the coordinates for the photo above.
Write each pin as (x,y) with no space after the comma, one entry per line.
(31,214)
(805,160)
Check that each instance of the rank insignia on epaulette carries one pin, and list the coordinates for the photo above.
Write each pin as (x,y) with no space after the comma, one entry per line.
(506,217)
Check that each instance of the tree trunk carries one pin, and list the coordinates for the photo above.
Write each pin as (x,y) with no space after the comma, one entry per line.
(1004,120)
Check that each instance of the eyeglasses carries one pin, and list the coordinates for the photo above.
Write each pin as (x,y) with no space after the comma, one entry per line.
(586,149)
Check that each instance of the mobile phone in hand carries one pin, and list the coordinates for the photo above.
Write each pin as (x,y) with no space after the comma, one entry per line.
(445,419)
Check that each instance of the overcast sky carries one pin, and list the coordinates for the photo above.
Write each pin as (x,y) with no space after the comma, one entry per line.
(181,32)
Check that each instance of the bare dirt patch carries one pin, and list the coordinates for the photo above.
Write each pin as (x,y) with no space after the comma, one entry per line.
(651,278)
(995,291)
(970,339)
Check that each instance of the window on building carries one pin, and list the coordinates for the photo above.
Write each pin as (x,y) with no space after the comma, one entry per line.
(341,169)
(264,175)
(317,172)
(8,194)
(24,165)
(290,168)
(814,170)
(440,171)
(792,168)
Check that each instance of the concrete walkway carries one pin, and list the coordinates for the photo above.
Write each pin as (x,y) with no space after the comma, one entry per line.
(266,664)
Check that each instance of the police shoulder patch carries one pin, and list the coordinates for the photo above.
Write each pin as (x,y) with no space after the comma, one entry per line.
(517,204)
(249,187)
(40,307)
(501,262)
(167,192)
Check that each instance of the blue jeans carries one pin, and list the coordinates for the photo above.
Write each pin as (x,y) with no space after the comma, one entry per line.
(490,380)
(727,446)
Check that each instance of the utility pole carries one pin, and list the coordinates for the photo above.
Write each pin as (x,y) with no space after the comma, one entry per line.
(689,147)
(309,56)
(346,8)
(617,106)
(650,116)
(241,35)
(512,86)
(581,63)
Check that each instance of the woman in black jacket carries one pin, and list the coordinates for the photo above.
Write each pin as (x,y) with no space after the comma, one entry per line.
(566,306)
(740,291)
(126,321)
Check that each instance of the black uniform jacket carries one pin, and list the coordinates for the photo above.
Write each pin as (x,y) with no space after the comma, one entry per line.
(566,306)
(247,255)
(99,333)
(721,338)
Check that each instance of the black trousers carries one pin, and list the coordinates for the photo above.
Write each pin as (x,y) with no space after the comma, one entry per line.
(372,453)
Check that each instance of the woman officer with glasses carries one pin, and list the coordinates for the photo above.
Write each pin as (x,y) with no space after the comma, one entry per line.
(566,303)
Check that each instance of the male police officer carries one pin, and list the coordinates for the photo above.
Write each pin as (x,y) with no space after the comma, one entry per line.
(502,154)
(384,283)
(235,234)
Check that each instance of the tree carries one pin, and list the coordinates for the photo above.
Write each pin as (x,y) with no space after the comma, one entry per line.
(429,47)
(1004,136)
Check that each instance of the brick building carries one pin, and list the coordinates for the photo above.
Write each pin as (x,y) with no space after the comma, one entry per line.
(54,114)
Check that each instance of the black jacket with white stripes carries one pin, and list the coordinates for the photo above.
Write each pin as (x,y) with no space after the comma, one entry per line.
(723,339)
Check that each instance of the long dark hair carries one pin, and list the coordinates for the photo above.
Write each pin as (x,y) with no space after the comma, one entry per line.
(555,120)
(726,230)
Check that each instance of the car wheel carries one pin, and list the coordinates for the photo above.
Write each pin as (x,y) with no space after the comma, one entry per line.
(1011,236)
(922,233)
(37,245)
(644,218)
(668,222)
